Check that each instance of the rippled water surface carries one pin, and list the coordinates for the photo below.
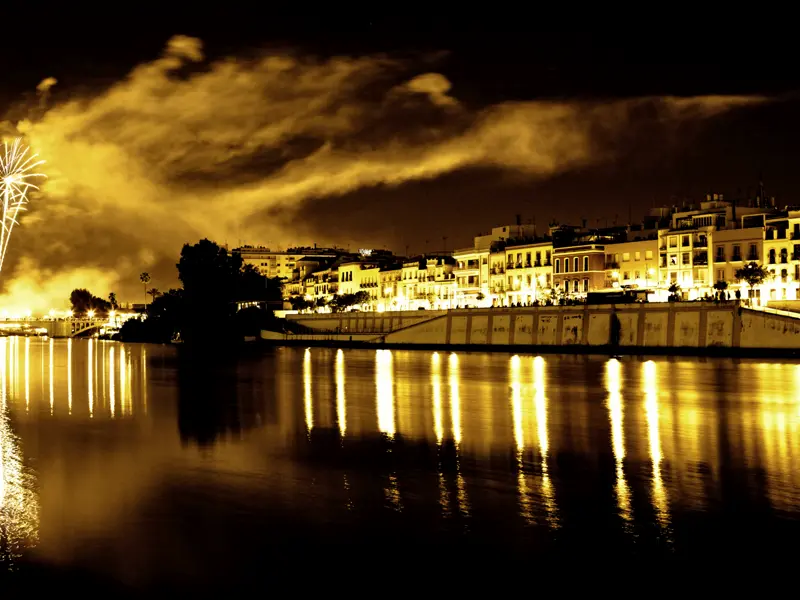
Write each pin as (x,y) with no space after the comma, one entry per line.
(139,465)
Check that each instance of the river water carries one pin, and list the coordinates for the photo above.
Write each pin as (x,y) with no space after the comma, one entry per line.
(140,465)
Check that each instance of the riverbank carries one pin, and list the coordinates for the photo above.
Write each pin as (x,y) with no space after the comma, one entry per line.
(678,351)
(665,329)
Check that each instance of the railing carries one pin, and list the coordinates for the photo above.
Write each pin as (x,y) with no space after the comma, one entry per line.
(753,257)
(775,311)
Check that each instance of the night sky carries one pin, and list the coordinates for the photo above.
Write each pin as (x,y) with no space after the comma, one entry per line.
(644,158)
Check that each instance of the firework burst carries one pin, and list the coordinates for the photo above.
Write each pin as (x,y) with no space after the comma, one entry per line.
(16,169)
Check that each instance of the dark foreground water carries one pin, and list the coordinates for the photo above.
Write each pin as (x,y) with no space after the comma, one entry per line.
(136,465)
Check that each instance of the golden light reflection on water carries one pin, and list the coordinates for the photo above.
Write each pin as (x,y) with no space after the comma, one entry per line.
(518,418)
(69,375)
(436,392)
(540,403)
(438,427)
(384,387)
(27,373)
(112,392)
(308,404)
(51,378)
(613,377)
(106,390)
(455,420)
(341,400)
(19,504)
(90,378)
(659,493)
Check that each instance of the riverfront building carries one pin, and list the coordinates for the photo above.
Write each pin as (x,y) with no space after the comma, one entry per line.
(685,251)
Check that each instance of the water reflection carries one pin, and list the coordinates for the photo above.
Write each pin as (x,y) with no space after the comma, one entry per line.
(429,448)
(51,379)
(455,419)
(660,501)
(384,385)
(518,418)
(616,415)
(341,400)
(19,508)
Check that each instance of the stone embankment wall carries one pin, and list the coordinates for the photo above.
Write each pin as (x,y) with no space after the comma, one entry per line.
(653,325)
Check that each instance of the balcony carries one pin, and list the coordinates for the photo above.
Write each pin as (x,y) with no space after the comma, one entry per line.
(752,256)
(611,264)
(498,270)
(510,266)
(736,258)
(701,259)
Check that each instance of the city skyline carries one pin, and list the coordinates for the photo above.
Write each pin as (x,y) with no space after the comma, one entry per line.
(434,136)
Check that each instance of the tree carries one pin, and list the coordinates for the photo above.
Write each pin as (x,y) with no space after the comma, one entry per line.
(299,303)
(153,293)
(753,273)
(145,279)
(112,299)
(721,286)
(480,296)
(82,301)
(362,298)
(674,291)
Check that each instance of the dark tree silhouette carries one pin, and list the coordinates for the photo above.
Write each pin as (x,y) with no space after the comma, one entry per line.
(753,273)
(82,301)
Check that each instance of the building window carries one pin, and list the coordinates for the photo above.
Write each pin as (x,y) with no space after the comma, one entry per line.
(720,274)
(673,260)
(752,254)
(558,265)
(772,256)
(575,286)
(784,275)
(576,264)
(648,254)
(637,275)
(637,255)
(685,259)
(784,256)
(585,285)
(566,265)
(685,241)
(585,263)
(720,254)
(626,275)
(626,256)
(673,241)
(737,253)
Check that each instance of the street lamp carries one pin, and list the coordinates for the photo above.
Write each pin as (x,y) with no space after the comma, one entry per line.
(90,314)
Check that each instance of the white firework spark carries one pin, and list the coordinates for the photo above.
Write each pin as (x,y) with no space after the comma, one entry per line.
(16,169)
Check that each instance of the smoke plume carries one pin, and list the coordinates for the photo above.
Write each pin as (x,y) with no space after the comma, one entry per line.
(183,149)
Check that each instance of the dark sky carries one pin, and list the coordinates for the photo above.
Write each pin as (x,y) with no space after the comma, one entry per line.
(725,154)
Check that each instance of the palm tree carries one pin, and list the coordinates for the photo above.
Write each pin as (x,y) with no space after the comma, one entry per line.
(154,293)
(145,279)
(112,299)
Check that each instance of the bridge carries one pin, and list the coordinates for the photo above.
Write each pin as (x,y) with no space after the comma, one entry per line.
(56,328)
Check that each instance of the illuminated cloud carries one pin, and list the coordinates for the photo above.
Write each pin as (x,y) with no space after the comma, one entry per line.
(181,149)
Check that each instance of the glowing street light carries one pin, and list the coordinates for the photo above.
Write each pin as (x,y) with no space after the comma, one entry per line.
(52,313)
(90,314)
